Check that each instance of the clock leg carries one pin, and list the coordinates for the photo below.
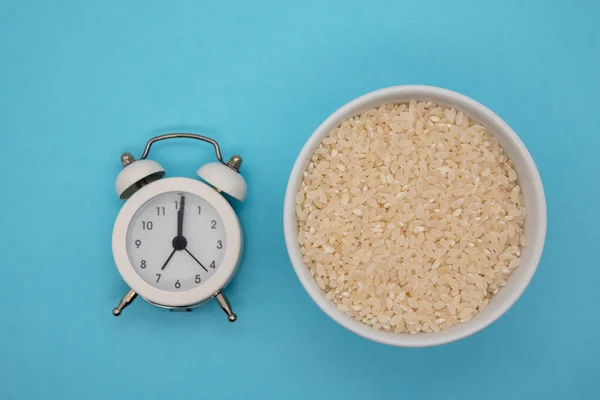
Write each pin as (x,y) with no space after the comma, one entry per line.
(125,301)
(224,303)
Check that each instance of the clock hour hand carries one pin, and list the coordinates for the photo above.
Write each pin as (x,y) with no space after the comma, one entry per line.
(195,259)
(168,259)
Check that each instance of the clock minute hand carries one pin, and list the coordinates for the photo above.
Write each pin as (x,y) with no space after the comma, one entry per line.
(180,217)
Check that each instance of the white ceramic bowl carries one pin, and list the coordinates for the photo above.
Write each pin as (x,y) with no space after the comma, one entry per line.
(531,187)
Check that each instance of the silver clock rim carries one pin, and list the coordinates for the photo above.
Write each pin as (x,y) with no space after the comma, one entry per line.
(216,282)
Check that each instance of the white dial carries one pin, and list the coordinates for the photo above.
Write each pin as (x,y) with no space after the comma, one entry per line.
(176,241)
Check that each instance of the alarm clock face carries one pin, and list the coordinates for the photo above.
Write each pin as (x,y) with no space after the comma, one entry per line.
(176,241)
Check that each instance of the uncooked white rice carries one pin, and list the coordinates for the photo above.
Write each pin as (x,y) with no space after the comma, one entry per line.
(410,217)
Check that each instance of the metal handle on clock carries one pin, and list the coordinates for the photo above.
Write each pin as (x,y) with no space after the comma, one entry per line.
(231,164)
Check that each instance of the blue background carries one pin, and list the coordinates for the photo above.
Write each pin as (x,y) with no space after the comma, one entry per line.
(81,82)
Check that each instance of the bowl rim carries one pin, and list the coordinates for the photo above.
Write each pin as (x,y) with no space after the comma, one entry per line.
(309,284)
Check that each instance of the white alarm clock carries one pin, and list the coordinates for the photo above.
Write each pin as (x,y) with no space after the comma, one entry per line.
(177,241)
